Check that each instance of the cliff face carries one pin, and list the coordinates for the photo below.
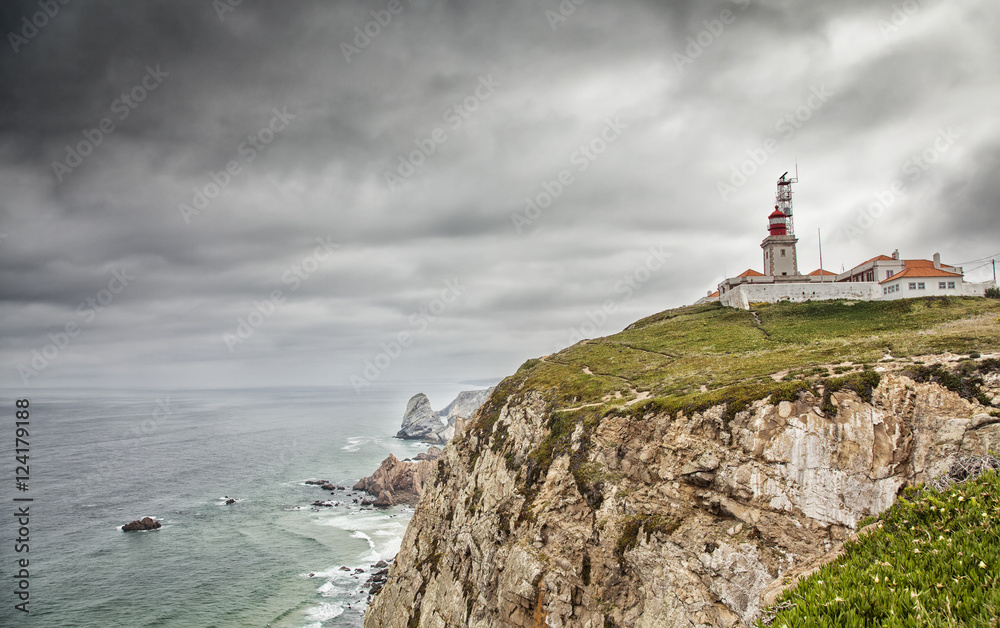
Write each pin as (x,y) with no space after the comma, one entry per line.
(658,518)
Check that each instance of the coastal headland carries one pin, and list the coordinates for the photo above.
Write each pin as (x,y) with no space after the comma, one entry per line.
(671,474)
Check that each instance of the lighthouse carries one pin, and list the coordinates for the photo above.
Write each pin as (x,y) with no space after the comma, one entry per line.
(780,259)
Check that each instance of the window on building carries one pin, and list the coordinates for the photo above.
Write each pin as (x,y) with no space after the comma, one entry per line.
(951,285)
(920,286)
(913,285)
(941,285)
(782,252)
(888,274)
(885,291)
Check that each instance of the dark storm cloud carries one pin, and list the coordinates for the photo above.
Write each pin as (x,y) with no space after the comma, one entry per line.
(412,151)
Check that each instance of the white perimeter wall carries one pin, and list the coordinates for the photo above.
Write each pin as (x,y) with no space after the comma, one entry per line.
(743,295)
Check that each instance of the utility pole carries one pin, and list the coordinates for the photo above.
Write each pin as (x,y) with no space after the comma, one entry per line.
(819,236)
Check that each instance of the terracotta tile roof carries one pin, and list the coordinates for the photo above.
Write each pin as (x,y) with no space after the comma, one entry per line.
(820,271)
(921,271)
(877,258)
(750,273)
(714,294)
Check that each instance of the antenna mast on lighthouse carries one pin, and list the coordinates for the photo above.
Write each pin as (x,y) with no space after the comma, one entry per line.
(783,199)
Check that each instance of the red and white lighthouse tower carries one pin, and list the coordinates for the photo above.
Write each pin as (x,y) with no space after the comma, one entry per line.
(780,259)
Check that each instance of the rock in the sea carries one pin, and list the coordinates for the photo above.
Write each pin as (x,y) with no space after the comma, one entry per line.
(396,482)
(146,523)
(419,419)
(421,422)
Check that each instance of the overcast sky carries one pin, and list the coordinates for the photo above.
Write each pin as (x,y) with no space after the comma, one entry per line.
(200,194)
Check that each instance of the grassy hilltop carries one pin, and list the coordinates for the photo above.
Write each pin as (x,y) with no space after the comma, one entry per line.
(697,356)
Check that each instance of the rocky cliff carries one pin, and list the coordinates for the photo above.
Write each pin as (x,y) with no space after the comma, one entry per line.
(583,500)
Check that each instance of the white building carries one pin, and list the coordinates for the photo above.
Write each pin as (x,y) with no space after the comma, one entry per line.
(880,278)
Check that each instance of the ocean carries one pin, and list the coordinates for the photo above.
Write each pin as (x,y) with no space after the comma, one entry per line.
(99,459)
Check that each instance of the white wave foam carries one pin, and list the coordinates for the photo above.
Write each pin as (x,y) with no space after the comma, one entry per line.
(324,612)
(372,555)
(354,443)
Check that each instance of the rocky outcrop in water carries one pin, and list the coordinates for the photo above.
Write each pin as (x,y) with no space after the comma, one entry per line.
(662,519)
(146,523)
(421,422)
(398,482)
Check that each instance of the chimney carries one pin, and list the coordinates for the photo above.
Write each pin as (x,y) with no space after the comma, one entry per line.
(937,261)
(710,292)
(895,254)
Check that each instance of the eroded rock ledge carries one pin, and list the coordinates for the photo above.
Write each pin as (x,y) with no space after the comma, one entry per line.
(399,481)
(660,520)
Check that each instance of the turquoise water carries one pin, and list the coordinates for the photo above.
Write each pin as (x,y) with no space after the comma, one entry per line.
(100,459)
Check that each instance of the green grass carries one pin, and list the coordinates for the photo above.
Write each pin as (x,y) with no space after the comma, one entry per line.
(672,354)
(933,560)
